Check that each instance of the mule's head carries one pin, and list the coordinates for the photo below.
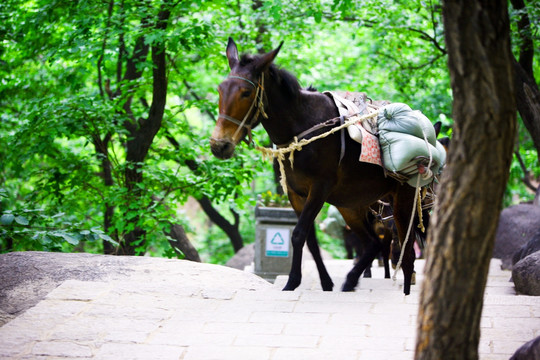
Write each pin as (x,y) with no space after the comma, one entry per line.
(241,97)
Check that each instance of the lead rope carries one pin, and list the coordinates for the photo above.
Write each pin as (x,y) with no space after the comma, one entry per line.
(297,145)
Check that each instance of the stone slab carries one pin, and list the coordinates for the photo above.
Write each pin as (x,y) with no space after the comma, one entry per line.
(171,309)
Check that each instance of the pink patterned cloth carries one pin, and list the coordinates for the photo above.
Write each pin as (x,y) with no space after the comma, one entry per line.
(355,103)
(371,151)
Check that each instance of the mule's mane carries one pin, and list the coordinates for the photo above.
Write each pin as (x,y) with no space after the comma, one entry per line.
(283,78)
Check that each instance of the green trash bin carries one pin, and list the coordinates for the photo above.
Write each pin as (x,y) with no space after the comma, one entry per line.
(273,249)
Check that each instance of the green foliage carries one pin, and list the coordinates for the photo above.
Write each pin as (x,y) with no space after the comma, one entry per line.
(68,111)
(34,229)
(271,199)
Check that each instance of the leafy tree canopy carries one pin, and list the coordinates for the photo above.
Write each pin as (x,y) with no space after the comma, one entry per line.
(79,83)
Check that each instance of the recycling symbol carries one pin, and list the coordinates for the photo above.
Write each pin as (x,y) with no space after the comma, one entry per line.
(277,239)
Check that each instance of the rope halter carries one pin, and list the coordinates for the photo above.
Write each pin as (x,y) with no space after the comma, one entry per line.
(257,106)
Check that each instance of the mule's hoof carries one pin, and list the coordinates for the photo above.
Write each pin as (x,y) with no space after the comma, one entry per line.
(328,287)
(406,289)
(347,288)
(291,285)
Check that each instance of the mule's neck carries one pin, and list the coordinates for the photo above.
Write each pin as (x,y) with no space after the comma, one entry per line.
(289,115)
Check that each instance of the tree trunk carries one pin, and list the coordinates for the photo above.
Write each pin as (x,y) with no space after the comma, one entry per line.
(143,131)
(102,148)
(231,230)
(181,243)
(468,208)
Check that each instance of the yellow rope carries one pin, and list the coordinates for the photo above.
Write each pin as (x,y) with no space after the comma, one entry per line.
(419,210)
(296,145)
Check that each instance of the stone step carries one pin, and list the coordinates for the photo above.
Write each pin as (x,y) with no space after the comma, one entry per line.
(338,270)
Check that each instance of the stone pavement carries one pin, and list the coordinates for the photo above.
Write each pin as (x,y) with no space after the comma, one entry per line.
(201,311)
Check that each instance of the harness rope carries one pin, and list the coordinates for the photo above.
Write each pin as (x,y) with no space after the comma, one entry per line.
(297,145)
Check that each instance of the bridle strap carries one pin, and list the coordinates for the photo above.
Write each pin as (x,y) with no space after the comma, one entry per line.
(243,78)
(257,103)
(231,119)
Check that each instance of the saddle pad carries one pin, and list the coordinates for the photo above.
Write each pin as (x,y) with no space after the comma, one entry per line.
(357,103)
(350,104)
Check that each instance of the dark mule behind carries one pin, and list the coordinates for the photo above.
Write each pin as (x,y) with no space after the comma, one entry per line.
(258,91)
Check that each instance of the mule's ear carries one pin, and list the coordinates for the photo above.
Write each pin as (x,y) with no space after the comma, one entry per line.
(264,61)
(232,53)
(437,127)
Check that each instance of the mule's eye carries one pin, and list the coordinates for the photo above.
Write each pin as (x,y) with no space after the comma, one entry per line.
(246,94)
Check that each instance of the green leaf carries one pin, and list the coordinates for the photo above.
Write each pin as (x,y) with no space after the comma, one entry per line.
(109,239)
(70,239)
(317,16)
(58,215)
(21,220)
(67,237)
(7,219)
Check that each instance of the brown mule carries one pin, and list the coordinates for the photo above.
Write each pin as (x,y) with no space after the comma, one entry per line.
(256,91)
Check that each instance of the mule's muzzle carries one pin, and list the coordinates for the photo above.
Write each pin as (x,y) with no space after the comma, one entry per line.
(222,149)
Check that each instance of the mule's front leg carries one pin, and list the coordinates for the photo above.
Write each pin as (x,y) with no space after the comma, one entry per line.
(403,207)
(295,276)
(313,245)
(307,210)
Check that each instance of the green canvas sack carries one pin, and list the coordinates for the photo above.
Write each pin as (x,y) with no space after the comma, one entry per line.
(408,140)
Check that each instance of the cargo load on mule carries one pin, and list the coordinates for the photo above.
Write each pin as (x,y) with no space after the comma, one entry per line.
(400,139)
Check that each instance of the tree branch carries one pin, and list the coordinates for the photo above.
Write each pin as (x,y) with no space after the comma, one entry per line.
(232,230)
(526,50)
(527,96)
(527,174)
(180,243)
(190,88)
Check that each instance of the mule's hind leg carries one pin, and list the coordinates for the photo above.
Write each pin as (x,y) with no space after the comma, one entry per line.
(361,222)
(403,207)
(371,250)
(385,250)
(407,267)
(313,246)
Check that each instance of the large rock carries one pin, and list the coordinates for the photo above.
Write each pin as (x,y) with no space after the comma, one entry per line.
(244,257)
(532,246)
(517,224)
(27,277)
(529,351)
(526,275)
